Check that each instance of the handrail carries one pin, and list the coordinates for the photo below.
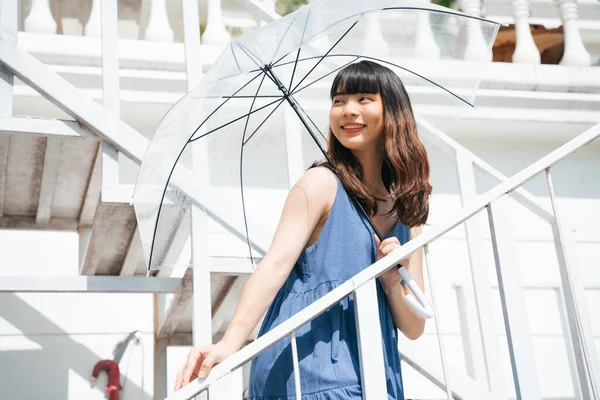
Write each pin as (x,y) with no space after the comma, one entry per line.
(381,266)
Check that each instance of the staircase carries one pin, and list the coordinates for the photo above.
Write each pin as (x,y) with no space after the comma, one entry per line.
(65,175)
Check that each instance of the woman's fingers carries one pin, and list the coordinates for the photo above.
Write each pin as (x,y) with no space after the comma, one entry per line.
(206,366)
(178,380)
(388,245)
(192,366)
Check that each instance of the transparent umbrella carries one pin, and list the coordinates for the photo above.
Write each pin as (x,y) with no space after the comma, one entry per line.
(231,148)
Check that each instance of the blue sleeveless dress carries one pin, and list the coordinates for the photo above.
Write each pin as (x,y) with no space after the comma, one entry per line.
(327,346)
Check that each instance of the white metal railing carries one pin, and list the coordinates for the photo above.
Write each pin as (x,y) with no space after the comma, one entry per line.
(158,26)
(524,376)
(102,121)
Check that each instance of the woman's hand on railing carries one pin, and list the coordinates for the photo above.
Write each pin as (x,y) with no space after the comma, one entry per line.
(391,277)
(201,360)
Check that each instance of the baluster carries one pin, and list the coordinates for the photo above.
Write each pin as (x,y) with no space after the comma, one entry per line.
(575,53)
(373,37)
(40,18)
(526,52)
(93,27)
(215,32)
(158,28)
(425,45)
(476,49)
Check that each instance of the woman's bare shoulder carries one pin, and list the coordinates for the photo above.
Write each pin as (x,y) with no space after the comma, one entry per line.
(320,182)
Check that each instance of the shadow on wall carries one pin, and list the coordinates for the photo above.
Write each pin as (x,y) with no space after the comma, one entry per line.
(44,373)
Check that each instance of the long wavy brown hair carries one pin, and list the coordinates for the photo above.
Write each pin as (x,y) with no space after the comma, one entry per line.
(405,167)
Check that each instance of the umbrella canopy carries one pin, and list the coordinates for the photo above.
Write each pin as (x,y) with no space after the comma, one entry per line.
(224,157)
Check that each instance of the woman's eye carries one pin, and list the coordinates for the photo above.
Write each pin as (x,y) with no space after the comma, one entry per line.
(337,101)
(365,98)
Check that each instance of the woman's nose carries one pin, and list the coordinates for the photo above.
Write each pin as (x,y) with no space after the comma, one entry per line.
(350,109)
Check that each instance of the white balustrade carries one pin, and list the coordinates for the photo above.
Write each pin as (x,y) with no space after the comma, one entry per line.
(158,28)
(526,52)
(425,45)
(476,49)
(374,37)
(215,32)
(575,53)
(93,27)
(40,18)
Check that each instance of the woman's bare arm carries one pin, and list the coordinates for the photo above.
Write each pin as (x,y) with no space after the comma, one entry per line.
(308,201)
(405,318)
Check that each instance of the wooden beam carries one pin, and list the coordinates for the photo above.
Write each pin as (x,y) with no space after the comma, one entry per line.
(88,284)
(223,309)
(4,149)
(92,194)
(134,253)
(111,234)
(43,126)
(54,224)
(52,160)
(182,298)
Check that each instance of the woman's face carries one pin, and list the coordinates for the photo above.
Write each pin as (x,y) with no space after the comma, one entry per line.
(356,120)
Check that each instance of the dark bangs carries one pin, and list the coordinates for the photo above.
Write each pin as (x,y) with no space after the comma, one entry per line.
(355,78)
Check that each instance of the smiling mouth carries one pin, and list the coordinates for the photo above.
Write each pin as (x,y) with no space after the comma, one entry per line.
(353,128)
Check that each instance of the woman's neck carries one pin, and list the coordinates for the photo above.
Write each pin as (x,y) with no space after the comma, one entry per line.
(371,162)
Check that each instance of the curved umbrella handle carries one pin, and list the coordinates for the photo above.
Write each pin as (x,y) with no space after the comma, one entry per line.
(420,304)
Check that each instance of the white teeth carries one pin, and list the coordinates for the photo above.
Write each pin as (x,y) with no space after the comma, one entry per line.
(353,126)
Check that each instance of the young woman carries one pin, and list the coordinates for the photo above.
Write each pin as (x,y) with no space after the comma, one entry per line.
(323,239)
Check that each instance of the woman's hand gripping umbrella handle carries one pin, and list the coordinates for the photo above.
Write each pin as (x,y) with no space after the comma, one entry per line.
(420,303)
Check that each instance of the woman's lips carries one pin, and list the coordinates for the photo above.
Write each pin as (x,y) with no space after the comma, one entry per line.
(353,128)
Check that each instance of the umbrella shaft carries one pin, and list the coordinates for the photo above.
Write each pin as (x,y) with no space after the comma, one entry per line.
(295,107)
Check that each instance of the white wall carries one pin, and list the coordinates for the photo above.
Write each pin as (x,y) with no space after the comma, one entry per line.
(49,343)
(55,339)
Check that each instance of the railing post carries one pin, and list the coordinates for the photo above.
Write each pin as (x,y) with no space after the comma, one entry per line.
(574,53)
(158,28)
(191,39)
(492,374)
(370,348)
(8,27)
(215,32)
(160,349)
(93,27)
(514,307)
(526,52)
(575,304)
(374,37)
(476,47)
(110,55)
(40,18)
(425,45)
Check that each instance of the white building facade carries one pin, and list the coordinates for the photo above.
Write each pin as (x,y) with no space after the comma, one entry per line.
(73,124)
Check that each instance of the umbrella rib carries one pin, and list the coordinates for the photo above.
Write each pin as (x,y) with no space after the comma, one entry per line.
(242,167)
(265,120)
(221,105)
(245,97)
(409,71)
(325,55)
(442,12)
(162,199)
(234,120)
(294,70)
(283,37)
(234,56)
(326,75)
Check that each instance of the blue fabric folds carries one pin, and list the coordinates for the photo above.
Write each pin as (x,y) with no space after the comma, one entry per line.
(327,346)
